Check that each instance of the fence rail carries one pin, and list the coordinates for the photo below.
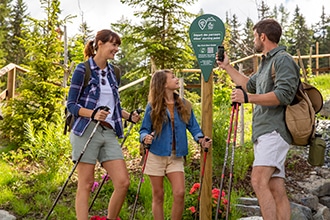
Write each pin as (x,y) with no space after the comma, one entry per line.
(11,69)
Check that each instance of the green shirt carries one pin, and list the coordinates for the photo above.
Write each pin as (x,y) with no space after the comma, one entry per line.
(267,119)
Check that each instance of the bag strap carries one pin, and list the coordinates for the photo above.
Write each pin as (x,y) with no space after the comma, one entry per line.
(88,73)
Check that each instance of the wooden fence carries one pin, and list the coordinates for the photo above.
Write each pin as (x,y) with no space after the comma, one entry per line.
(12,69)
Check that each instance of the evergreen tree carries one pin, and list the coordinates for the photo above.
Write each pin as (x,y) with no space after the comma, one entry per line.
(322,35)
(299,35)
(78,42)
(4,23)
(163,34)
(160,41)
(39,98)
(248,44)
(263,11)
(283,19)
(18,18)
(237,46)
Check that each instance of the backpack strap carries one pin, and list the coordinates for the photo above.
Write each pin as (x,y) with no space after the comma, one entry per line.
(87,73)
(117,73)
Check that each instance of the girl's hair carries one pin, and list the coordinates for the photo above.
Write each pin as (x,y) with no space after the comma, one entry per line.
(104,36)
(158,103)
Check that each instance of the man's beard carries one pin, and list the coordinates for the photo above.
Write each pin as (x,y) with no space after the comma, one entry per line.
(258,48)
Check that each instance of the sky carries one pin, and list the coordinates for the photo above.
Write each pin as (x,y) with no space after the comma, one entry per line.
(100,13)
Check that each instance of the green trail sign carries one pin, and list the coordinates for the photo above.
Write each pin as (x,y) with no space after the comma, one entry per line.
(206,34)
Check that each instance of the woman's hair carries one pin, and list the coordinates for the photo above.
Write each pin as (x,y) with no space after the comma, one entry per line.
(158,103)
(103,35)
(271,28)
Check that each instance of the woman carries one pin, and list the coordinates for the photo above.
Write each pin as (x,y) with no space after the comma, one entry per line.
(163,128)
(84,103)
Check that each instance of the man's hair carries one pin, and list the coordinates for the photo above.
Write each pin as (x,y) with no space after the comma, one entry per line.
(271,28)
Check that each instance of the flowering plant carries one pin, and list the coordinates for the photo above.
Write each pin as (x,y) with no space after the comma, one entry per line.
(192,200)
(98,218)
(101,218)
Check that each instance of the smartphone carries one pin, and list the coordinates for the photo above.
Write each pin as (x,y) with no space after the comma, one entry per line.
(221,51)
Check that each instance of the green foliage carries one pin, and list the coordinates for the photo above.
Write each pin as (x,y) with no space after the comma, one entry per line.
(322,82)
(17,21)
(160,41)
(40,94)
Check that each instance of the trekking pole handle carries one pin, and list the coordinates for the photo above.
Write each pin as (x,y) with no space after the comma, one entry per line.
(206,139)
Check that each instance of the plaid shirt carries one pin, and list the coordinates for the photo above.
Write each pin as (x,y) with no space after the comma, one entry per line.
(90,96)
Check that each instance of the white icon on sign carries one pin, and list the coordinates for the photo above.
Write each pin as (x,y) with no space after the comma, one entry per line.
(202,23)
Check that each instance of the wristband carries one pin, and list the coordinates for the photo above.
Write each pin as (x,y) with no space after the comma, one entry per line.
(93,114)
(246,98)
(130,117)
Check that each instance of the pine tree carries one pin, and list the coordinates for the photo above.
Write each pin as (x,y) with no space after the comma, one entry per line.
(18,19)
(160,41)
(283,19)
(299,35)
(4,23)
(39,98)
(263,11)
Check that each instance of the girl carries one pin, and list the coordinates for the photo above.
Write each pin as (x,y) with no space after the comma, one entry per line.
(164,127)
(83,103)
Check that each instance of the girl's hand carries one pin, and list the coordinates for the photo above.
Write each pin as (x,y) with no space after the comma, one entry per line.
(148,139)
(205,142)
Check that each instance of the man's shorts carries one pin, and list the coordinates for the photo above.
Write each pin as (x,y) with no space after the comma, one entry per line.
(162,165)
(270,150)
(103,146)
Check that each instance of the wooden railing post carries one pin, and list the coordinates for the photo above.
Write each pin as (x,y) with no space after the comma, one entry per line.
(11,83)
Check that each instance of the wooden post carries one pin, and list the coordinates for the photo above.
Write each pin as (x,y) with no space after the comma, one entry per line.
(11,83)
(207,122)
(317,59)
(302,66)
(241,112)
(310,58)
(255,64)
(181,91)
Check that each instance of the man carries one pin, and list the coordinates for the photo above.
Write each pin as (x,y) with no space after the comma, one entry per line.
(270,89)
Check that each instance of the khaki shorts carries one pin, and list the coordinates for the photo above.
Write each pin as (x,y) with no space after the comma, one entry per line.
(271,150)
(103,146)
(162,165)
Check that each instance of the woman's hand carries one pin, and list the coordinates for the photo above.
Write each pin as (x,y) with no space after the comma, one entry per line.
(134,117)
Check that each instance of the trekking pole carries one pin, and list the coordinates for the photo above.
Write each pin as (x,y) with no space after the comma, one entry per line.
(146,148)
(139,111)
(232,159)
(106,177)
(201,181)
(105,108)
(225,161)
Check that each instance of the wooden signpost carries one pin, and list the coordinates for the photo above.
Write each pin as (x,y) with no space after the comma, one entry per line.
(206,34)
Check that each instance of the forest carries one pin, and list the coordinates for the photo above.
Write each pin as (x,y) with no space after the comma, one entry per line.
(35,154)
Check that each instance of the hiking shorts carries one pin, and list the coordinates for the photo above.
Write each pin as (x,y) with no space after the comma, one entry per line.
(270,150)
(103,146)
(162,165)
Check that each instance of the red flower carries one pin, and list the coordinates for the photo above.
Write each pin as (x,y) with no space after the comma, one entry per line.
(192,209)
(215,193)
(194,188)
